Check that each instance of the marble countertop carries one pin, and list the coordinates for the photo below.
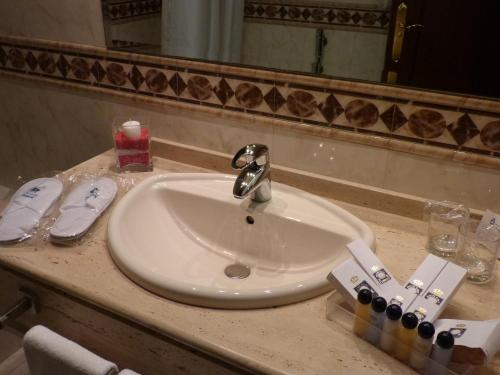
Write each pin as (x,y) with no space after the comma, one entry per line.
(293,339)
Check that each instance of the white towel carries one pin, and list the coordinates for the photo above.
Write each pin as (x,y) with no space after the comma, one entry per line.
(128,372)
(48,353)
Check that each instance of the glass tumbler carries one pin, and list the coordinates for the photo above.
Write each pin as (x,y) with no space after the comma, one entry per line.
(478,251)
(444,219)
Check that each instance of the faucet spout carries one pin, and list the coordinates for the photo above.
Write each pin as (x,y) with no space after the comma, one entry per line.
(254,179)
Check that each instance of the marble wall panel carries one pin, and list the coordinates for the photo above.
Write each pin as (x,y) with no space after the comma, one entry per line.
(74,21)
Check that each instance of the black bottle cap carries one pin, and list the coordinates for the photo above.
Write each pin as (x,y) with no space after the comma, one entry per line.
(394,312)
(409,320)
(365,296)
(379,304)
(445,340)
(426,330)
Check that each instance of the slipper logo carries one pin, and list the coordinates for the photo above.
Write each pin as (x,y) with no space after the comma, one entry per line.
(94,193)
(32,193)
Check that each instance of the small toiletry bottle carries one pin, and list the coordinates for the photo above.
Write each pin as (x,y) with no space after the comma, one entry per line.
(406,336)
(423,345)
(362,312)
(379,304)
(390,328)
(441,353)
(132,147)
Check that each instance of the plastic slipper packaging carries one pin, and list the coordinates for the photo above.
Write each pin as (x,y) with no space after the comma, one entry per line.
(27,207)
(85,202)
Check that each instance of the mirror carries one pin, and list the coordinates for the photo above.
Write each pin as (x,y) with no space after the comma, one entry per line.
(444,45)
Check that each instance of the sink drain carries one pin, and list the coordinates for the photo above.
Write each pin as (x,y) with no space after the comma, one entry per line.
(237,271)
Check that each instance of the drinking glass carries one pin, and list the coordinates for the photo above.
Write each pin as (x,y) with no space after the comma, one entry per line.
(444,219)
(478,250)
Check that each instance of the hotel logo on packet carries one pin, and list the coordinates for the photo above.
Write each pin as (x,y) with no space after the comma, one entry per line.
(421,313)
(364,285)
(398,300)
(33,192)
(94,193)
(458,331)
(380,274)
(415,286)
(435,295)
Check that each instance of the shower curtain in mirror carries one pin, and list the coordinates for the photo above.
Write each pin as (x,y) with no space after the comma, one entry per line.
(203,29)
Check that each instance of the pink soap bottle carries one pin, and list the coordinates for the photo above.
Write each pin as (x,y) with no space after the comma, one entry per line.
(132,146)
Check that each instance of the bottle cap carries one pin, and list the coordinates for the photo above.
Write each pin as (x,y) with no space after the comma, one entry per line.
(379,304)
(365,296)
(409,320)
(426,330)
(445,340)
(132,129)
(394,312)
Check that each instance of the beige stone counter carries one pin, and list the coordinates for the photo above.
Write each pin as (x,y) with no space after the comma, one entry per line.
(294,339)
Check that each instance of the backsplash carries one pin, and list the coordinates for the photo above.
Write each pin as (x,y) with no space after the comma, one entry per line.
(241,90)
(326,15)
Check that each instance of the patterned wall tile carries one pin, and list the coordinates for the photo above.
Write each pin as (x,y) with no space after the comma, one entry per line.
(320,16)
(440,126)
(117,10)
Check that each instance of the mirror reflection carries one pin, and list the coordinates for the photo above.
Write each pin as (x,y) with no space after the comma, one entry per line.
(444,45)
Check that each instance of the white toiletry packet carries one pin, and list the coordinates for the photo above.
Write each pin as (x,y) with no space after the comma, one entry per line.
(489,227)
(476,342)
(380,275)
(433,301)
(425,274)
(349,278)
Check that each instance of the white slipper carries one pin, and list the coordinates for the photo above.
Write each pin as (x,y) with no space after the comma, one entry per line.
(27,207)
(82,207)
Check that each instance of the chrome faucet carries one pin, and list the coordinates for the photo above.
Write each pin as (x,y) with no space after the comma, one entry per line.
(255,176)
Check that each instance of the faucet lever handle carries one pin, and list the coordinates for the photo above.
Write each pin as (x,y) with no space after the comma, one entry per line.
(252,153)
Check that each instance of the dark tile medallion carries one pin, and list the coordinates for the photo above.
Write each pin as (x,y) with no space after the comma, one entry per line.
(361,113)
(16,58)
(156,80)
(248,95)
(199,87)
(490,135)
(301,103)
(116,74)
(80,68)
(426,123)
(47,63)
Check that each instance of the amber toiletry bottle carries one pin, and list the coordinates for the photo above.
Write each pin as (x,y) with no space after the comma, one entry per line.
(406,336)
(390,328)
(362,312)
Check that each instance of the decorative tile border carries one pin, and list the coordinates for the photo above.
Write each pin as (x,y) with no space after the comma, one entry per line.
(303,13)
(127,45)
(131,8)
(373,118)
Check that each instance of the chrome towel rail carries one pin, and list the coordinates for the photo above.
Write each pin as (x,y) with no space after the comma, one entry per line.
(27,302)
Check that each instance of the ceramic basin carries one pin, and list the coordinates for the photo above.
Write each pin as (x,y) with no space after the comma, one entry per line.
(176,235)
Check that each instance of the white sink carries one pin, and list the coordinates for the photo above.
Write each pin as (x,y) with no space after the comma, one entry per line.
(175,235)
